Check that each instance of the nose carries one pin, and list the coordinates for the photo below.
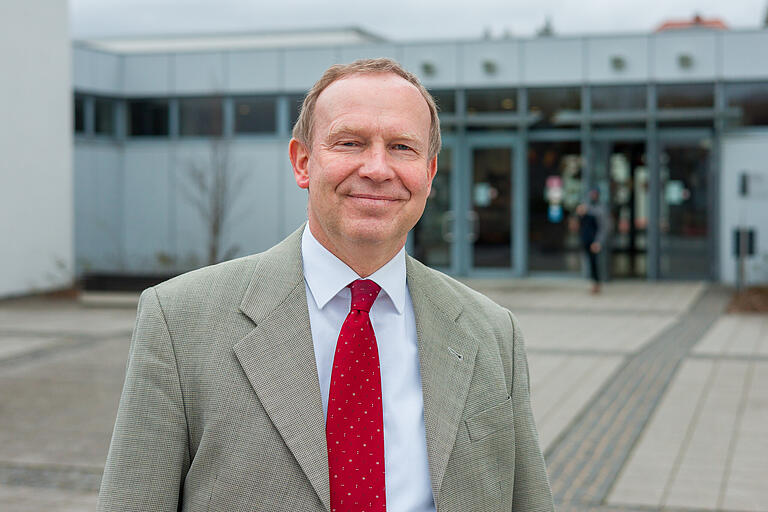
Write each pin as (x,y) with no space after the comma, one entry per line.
(375,164)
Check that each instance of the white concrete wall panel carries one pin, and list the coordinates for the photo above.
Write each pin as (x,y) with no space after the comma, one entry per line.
(253,221)
(669,48)
(147,75)
(106,73)
(744,152)
(257,220)
(254,71)
(199,73)
(745,55)
(148,200)
(82,69)
(98,207)
(370,51)
(36,179)
(502,56)
(442,58)
(304,66)
(633,50)
(549,61)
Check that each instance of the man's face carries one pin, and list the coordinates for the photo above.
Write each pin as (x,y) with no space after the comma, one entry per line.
(368,171)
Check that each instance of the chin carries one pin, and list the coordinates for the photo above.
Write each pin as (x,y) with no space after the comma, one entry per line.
(372,232)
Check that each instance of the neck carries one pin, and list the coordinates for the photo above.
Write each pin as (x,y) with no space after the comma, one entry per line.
(363,258)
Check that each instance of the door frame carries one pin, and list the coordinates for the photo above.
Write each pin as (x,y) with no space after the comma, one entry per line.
(464,190)
(672,136)
(613,136)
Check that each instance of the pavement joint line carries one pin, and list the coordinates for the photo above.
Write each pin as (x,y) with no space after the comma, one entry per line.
(596,352)
(605,432)
(746,386)
(730,357)
(56,476)
(65,344)
(683,449)
(597,311)
(7,333)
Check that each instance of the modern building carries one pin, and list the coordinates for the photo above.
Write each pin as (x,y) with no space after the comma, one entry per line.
(671,127)
(36,206)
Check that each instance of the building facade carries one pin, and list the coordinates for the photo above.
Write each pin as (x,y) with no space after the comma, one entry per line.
(36,220)
(665,125)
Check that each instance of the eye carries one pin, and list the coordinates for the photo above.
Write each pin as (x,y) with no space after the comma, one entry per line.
(402,147)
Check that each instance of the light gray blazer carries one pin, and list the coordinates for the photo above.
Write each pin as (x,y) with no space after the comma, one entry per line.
(221,408)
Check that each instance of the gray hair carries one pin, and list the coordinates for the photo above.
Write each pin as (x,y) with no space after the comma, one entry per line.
(302,130)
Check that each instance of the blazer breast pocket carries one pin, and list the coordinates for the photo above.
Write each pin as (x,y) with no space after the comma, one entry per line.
(491,420)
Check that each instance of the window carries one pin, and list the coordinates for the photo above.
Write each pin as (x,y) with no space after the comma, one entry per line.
(555,107)
(200,117)
(295,101)
(445,100)
(747,104)
(622,97)
(104,116)
(492,100)
(256,114)
(79,115)
(672,96)
(148,117)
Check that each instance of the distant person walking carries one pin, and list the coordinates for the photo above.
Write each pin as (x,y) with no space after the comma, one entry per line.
(593,226)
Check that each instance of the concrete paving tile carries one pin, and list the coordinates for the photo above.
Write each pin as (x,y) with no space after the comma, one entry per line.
(35,499)
(748,499)
(63,317)
(14,346)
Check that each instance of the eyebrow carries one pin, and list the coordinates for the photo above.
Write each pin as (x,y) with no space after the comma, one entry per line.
(345,129)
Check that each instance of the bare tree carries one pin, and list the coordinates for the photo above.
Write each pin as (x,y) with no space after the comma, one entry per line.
(213,189)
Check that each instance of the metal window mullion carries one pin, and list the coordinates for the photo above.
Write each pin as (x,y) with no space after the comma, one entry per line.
(520,215)
(228,116)
(653,234)
(173,118)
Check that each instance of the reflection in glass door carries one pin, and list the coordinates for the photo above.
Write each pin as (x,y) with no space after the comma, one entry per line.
(683,216)
(620,170)
(490,215)
(554,192)
(433,235)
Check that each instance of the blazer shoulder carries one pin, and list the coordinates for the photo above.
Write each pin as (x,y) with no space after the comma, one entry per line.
(223,283)
(470,300)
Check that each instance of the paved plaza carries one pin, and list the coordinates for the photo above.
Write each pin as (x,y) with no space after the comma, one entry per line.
(648,397)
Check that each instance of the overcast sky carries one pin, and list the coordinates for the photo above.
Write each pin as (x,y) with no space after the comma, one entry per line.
(400,20)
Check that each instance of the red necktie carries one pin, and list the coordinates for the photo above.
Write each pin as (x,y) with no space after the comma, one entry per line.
(354,428)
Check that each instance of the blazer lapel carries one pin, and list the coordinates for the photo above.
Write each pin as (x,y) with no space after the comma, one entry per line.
(279,360)
(447,358)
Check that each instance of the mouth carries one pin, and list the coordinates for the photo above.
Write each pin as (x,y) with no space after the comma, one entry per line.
(374,198)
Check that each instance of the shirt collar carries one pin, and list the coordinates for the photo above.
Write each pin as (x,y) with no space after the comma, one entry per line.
(326,275)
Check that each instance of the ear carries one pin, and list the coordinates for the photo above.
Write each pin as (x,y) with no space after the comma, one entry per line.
(299,156)
(431,171)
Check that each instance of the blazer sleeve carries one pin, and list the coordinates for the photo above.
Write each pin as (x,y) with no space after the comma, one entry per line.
(149,455)
(531,488)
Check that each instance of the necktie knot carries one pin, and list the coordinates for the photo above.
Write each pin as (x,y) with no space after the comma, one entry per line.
(364,293)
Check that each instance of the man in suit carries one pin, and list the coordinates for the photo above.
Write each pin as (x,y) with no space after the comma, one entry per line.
(331,372)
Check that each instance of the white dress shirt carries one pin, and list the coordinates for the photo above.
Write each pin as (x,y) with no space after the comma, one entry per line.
(405,447)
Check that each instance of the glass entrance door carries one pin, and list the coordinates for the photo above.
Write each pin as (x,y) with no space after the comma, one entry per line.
(685,208)
(433,236)
(490,211)
(621,174)
(554,191)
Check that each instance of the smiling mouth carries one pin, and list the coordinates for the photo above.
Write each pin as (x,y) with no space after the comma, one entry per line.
(371,197)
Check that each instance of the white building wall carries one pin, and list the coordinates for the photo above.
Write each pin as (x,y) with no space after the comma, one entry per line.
(36,203)
(744,152)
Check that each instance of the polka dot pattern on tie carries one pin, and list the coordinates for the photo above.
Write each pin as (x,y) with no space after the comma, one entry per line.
(355,426)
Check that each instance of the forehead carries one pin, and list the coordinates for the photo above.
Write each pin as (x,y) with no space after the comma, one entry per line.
(373,98)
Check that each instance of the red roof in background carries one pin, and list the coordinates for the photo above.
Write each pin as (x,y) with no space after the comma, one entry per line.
(696,22)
